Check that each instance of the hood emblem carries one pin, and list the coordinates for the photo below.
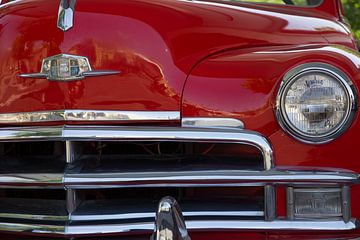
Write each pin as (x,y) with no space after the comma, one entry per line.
(66,14)
(65,67)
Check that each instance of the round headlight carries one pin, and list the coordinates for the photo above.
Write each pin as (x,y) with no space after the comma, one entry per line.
(316,102)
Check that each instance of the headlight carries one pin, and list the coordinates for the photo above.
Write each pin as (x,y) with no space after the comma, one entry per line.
(316,102)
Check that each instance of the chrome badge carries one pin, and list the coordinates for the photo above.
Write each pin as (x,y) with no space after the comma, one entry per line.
(66,14)
(65,67)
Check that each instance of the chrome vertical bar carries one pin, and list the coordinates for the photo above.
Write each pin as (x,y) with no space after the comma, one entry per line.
(346,203)
(71,201)
(290,208)
(71,196)
(70,154)
(270,203)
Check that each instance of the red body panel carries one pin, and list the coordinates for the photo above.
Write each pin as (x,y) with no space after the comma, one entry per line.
(243,84)
(203,59)
(154,55)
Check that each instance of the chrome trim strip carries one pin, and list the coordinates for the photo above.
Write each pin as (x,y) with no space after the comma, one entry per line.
(205,178)
(100,73)
(34,75)
(38,229)
(28,179)
(87,115)
(175,178)
(9,3)
(83,75)
(147,227)
(127,216)
(274,225)
(210,122)
(34,217)
(66,14)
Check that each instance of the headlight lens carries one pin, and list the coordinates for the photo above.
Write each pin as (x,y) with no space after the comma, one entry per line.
(315,102)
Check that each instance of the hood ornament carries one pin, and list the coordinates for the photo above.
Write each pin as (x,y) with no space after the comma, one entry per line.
(66,14)
(65,67)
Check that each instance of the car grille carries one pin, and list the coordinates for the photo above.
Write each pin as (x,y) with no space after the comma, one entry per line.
(72,181)
(50,182)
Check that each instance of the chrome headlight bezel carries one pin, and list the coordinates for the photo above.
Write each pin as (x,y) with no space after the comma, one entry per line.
(322,68)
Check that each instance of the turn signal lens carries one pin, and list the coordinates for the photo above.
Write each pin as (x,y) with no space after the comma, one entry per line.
(314,203)
(315,102)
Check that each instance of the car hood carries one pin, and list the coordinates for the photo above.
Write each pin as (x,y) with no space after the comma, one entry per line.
(153,43)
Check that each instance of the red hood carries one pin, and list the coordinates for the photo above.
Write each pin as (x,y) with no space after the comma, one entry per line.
(154,43)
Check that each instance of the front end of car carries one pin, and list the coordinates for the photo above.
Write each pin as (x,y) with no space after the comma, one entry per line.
(119,123)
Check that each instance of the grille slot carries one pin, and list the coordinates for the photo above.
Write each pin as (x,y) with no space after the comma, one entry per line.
(139,203)
(97,157)
(27,204)
(32,157)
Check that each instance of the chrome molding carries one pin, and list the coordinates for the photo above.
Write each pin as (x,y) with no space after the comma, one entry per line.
(147,227)
(35,179)
(204,178)
(66,14)
(210,122)
(177,178)
(127,216)
(2,5)
(87,115)
(33,217)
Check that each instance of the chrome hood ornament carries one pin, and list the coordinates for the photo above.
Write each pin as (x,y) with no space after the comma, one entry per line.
(169,223)
(66,14)
(65,67)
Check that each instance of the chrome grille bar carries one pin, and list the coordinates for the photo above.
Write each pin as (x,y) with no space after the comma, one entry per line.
(181,178)
(206,178)
(147,227)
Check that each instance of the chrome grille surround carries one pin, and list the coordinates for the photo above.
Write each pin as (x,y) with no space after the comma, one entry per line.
(72,182)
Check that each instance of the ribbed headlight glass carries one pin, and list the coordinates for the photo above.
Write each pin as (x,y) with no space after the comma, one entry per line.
(316,103)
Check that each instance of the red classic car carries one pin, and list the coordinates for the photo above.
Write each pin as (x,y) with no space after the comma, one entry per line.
(178,119)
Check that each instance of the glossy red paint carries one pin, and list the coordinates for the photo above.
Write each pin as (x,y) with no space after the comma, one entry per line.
(210,59)
(243,83)
(154,55)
